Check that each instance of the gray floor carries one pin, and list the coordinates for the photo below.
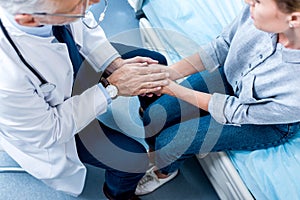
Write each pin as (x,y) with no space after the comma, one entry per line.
(190,184)
(120,24)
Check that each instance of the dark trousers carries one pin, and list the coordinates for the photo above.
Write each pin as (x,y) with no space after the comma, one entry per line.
(124,159)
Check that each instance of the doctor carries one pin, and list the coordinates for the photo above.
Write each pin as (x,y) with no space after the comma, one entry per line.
(39,118)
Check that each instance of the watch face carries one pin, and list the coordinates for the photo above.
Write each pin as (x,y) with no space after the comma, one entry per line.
(112,91)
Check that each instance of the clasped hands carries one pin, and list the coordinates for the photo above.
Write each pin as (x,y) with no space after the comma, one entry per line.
(139,76)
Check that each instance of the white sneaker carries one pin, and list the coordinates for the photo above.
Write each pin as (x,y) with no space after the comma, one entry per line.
(151,182)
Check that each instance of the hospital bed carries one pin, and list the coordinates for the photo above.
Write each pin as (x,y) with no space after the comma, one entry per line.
(176,28)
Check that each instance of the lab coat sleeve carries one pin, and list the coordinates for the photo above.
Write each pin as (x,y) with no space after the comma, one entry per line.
(94,45)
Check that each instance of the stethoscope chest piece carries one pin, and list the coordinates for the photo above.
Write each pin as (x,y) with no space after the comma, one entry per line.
(47,87)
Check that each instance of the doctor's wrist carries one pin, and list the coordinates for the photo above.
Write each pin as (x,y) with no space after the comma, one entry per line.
(114,65)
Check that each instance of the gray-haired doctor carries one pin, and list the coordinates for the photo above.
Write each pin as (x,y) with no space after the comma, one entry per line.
(38,116)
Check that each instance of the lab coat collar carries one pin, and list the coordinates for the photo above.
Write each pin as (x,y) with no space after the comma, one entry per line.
(42,31)
(15,29)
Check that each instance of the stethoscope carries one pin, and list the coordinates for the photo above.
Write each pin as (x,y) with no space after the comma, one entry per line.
(101,16)
(44,86)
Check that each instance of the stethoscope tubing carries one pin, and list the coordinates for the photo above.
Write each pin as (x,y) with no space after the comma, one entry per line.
(45,86)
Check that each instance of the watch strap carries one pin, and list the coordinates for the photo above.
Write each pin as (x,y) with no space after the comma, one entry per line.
(104,82)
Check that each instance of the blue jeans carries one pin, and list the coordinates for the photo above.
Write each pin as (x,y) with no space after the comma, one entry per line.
(177,130)
(123,170)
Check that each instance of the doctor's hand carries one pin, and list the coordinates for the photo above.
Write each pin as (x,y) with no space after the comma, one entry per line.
(173,75)
(139,78)
(139,59)
(119,62)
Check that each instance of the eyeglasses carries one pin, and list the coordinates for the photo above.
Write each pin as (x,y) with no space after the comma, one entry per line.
(84,4)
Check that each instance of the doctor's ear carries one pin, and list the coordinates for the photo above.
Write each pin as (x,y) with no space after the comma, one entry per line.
(26,20)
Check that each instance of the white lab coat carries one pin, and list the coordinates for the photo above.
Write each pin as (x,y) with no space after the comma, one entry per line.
(37,129)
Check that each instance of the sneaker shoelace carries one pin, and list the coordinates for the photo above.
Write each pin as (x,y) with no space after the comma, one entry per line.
(148,178)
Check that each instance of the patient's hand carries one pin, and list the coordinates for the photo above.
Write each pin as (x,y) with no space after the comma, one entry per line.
(174,75)
(168,89)
(171,89)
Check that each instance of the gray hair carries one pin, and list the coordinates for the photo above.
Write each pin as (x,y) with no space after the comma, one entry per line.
(24,6)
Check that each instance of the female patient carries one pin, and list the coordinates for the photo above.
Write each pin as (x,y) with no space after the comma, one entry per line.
(257,106)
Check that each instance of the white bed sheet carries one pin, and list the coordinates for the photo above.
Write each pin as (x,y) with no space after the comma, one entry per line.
(184,25)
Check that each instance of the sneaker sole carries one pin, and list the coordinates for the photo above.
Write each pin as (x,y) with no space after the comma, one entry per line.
(171,177)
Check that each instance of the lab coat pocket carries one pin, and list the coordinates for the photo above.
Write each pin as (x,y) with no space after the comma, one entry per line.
(45,90)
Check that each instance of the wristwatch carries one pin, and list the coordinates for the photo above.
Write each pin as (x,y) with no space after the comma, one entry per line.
(112,90)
